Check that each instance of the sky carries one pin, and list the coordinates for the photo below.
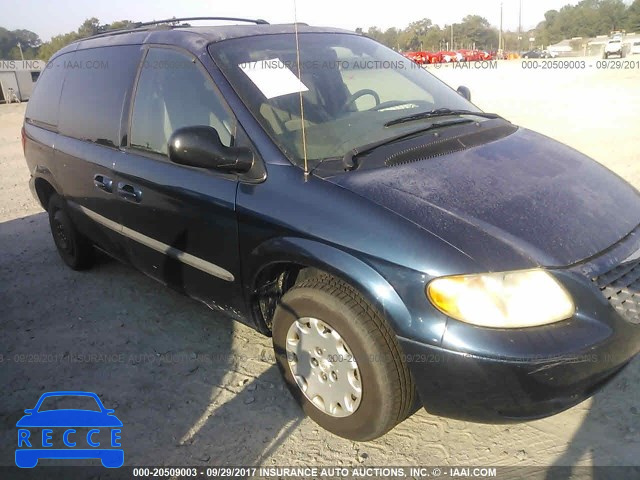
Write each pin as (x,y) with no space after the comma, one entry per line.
(51,17)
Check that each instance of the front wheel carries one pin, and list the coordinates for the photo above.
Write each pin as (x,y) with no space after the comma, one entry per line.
(341,360)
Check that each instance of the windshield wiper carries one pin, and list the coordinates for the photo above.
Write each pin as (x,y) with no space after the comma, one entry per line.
(438,112)
(349,158)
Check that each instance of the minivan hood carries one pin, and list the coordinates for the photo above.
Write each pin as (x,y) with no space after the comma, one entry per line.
(520,201)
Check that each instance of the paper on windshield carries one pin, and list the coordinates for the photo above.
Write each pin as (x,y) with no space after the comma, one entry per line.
(273,77)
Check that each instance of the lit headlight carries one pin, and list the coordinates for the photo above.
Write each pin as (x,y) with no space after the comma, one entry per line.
(517,299)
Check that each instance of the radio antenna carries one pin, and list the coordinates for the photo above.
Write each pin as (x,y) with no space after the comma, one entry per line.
(304,133)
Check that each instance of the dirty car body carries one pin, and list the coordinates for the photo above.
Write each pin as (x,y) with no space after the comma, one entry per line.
(449,196)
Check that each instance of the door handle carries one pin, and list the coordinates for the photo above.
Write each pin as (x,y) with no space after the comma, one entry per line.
(103,183)
(129,192)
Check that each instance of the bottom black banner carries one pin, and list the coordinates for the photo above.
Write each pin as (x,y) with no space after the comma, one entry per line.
(328,472)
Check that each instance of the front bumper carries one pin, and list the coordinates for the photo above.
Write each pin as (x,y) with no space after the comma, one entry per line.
(502,375)
(457,385)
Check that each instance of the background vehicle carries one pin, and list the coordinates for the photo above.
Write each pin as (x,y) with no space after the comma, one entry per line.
(432,57)
(448,56)
(535,54)
(417,57)
(487,55)
(614,47)
(471,55)
(635,48)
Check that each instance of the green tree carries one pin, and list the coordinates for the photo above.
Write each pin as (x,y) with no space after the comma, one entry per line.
(412,37)
(391,37)
(612,15)
(120,24)
(588,18)
(56,43)
(9,40)
(375,33)
(474,30)
(434,38)
(633,17)
(90,26)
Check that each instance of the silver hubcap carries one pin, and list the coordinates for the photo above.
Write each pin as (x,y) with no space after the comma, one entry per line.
(324,367)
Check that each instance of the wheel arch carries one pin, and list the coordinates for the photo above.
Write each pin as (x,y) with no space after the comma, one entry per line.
(275,266)
(43,189)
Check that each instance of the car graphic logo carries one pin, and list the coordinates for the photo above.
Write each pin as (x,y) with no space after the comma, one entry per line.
(65,428)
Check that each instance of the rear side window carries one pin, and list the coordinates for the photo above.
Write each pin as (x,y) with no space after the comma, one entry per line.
(95,89)
(45,99)
(174,91)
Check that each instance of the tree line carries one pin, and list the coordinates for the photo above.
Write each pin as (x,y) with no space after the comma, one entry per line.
(33,47)
(588,18)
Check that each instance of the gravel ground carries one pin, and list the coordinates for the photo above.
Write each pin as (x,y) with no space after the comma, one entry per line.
(195,389)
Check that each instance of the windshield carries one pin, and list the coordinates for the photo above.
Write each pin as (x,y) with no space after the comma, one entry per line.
(351,87)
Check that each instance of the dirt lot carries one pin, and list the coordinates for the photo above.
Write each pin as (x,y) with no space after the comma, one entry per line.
(195,389)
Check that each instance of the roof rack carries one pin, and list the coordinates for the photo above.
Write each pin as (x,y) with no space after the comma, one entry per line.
(141,26)
(258,21)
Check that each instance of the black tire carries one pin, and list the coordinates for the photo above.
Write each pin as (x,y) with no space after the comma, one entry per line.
(74,249)
(388,392)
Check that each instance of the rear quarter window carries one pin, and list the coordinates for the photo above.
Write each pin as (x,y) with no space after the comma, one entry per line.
(97,84)
(45,99)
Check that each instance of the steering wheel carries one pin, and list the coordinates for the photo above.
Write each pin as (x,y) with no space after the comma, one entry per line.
(360,93)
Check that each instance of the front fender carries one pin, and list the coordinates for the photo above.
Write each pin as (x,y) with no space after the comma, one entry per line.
(375,288)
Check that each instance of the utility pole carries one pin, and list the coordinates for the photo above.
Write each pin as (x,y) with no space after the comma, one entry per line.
(500,39)
(520,27)
(452,47)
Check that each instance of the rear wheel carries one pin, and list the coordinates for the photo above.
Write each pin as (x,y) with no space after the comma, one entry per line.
(341,360)
(74,249)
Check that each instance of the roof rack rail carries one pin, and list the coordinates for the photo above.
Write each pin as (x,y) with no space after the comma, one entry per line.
(258,21)
(141,26)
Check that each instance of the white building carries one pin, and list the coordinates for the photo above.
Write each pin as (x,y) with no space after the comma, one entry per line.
(561,48)
(591,46)
(17,78)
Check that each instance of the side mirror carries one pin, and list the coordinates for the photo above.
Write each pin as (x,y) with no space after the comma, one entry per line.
(200,146)
(29,411)
(465,92)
